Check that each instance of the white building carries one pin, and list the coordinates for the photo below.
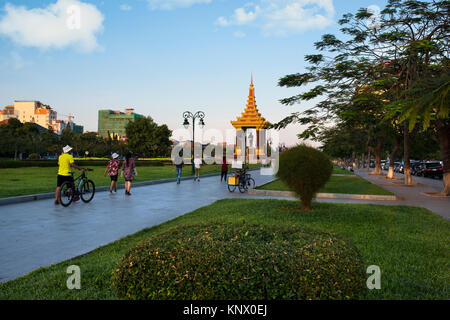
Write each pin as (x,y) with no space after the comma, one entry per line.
(35,112)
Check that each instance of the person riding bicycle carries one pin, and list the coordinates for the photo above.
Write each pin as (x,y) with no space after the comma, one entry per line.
(65,162)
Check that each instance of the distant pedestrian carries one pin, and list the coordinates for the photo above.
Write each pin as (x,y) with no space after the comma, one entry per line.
(197,165)
(113,171)
(179,169)
(128,171)
(224,173)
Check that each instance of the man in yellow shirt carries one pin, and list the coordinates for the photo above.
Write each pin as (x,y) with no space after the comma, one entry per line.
(65,162)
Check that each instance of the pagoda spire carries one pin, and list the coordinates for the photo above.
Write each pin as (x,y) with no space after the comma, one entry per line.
(250,118)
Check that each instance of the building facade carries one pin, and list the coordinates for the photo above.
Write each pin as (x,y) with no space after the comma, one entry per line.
(59,125)
(7,113)
(34,112)
(38,113)
(113,123)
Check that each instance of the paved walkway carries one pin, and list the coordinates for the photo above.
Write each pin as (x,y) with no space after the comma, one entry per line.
(413,196)
(38,233)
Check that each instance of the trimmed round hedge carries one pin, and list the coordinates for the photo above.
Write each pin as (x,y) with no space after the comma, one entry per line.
(240,262)
(305,171)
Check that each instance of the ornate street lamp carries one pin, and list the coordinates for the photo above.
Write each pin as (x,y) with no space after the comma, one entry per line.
(189,115)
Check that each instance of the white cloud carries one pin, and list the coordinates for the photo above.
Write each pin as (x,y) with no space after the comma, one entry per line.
(125,7)
(240,17)
(282,17)
(173,4)
(239,34)
(59,25)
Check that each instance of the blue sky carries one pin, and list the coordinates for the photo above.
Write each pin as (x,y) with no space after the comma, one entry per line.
(162,57)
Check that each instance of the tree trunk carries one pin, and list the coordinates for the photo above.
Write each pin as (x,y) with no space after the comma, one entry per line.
(392,157)
(363,160)
(368,160)
(377,152)
(407,164)
(443,131)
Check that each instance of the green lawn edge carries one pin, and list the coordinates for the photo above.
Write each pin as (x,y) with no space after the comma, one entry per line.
(342,185)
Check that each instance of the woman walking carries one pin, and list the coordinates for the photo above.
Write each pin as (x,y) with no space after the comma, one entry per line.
(113,172)
(129,171)
(197,164)
(224,173)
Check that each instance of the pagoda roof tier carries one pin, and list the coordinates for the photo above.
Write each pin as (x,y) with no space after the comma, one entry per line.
(250,118)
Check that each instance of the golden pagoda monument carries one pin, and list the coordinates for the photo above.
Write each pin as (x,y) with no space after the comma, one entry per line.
(252,119)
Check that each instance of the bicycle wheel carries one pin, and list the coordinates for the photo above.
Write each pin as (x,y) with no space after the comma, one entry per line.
(242,186)
(251,184)
(87,191)
(66,194)
(231,188)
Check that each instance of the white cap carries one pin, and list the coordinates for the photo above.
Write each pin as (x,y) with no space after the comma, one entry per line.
(67,149)
(115,155)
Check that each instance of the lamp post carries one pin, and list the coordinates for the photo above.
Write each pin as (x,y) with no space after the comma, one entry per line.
(189,115)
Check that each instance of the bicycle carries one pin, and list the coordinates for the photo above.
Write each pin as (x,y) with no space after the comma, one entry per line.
(242,180)
(84,188)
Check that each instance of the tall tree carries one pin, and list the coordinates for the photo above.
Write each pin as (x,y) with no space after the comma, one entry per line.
(410,38)
(147,138)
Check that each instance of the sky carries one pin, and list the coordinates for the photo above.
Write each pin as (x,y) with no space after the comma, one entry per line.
(162,57)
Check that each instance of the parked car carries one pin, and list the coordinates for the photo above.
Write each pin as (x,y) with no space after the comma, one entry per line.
(386,165)
(416,167)
(397,166)
(431,169)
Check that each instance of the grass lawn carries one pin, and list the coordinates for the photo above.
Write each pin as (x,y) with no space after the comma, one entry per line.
(338,170)
(34,180)
(410,245)
(346,185)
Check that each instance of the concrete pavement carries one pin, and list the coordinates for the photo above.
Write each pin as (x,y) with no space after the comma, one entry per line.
(38,233)
(415,196)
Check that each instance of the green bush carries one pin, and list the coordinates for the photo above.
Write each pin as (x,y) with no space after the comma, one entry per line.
(305,171)
(240,262)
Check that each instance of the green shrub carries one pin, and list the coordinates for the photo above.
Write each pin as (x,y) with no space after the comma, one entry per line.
(305,171)
(240,262)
